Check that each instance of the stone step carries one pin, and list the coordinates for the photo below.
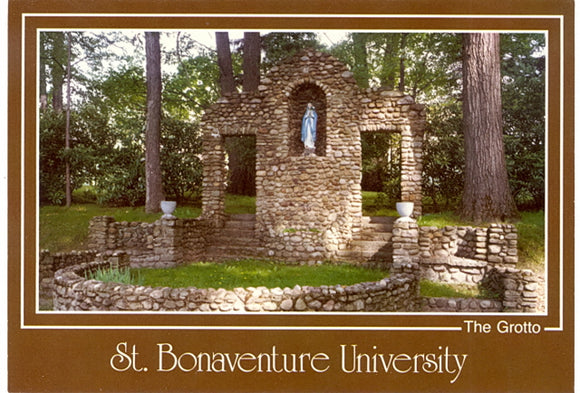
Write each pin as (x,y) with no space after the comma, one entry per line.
(369,245)
(227,233)
(354,255)
(375,236)
(239,224)
(378,227)
(221,241)
(378,220)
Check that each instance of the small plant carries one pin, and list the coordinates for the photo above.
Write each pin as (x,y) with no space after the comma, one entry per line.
(122,276)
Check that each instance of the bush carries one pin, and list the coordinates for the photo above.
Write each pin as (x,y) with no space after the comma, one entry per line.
(123,184)
(181,167)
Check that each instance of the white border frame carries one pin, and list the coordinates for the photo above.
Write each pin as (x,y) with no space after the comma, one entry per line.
(296,328)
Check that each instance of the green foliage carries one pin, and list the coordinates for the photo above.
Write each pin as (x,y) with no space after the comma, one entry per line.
(279,46)
(425,65)
(123,183)
(121,276)
(109,112)
(84,194)
(240,204)
(523,97)
(377,204)
(194,87)
(531,239)
(442,219)
(241,153)
(254,273)
(51,160)
(182,170)
(381,164)
(443,156)
(435,289)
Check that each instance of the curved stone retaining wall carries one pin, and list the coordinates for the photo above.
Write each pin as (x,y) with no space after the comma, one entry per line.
(72,291)
(445,304)
(49,263)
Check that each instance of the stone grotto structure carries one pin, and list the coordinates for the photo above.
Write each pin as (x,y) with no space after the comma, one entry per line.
(315,198)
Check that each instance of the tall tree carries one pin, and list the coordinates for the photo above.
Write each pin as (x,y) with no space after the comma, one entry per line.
(227,83)
(154,185)
(68,190)
(251,63)
(486,193)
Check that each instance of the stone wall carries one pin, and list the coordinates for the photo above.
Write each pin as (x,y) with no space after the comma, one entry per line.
(517,288)
(454,254)
(454,270)
(466,255)
(164,243)
(72,292)
(63,281)
(497,244)
(451,305)
(49,263)
(301,191)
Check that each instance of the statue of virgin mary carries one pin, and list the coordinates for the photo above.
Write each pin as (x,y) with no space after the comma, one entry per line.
(309,127)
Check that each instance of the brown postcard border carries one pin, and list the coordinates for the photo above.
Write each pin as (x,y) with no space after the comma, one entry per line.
(62,334)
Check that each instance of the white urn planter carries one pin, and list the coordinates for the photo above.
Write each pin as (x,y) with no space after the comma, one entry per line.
(405,210)
(168,207)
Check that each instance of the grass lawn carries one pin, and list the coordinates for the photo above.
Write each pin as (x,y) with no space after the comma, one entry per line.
(254,273)
(65,229)
(435,289)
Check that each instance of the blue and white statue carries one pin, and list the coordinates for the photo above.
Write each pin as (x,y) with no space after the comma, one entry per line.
(309,127)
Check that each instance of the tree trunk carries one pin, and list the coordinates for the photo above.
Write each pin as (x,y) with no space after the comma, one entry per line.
(68,188)
(57,71)
(251,61)
(154,186)
(486,193)
(227,84)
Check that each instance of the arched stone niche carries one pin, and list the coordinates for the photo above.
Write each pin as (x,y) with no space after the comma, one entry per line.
(300,97)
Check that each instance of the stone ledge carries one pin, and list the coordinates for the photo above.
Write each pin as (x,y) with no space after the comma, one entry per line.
(455,262)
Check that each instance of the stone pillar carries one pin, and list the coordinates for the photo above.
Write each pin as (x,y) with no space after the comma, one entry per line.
(502,244)
(215,173)
(168,242)
(412,154)
(99,237)
(406,250)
